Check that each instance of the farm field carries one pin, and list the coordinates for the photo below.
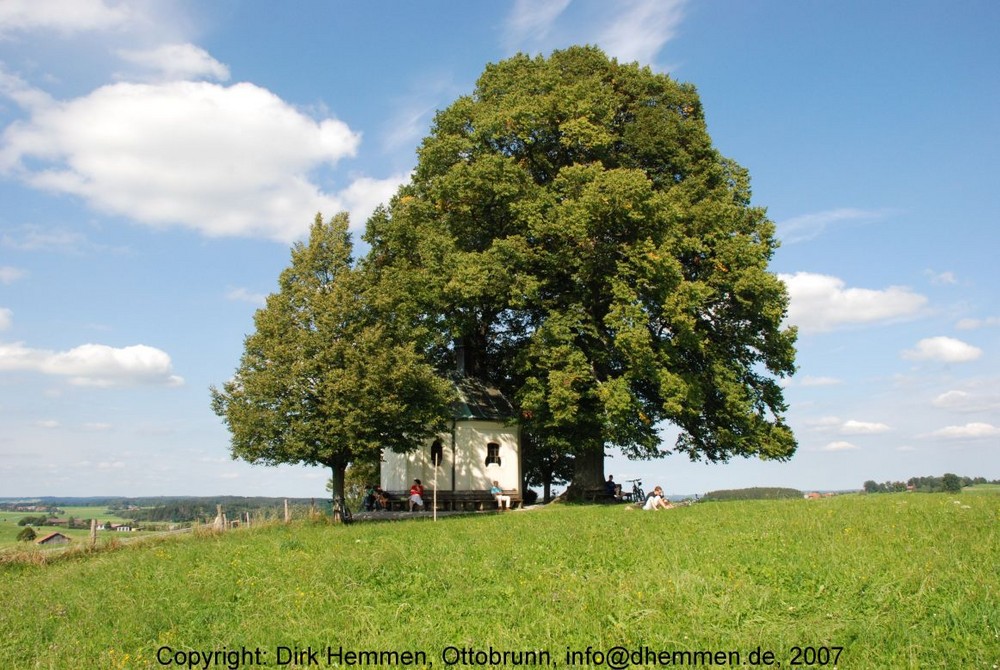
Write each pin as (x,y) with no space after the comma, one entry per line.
(9,528)
(879,581)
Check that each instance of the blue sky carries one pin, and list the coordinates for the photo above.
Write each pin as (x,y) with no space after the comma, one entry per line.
(157,159)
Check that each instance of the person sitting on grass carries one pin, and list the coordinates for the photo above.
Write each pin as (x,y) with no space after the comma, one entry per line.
(497,493)
(416,495)
(655,500)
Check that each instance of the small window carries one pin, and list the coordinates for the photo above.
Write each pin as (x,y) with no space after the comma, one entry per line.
(492,453)
(436,452)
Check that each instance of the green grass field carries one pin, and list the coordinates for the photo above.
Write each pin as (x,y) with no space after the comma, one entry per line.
(881,581)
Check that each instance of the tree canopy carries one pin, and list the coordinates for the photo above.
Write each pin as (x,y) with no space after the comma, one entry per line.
(323,380)
(570,225)
(571,222)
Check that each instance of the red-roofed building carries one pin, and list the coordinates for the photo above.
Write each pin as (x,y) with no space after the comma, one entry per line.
(53,538)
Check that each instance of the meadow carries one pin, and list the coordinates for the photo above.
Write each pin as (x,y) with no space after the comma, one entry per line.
(879,581)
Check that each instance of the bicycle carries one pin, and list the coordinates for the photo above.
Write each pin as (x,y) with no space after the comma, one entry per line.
(638,495)
(340,509)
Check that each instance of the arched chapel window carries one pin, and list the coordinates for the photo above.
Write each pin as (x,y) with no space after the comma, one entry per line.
(492,453)
(436,452)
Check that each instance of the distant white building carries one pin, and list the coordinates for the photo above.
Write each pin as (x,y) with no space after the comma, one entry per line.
(482,446)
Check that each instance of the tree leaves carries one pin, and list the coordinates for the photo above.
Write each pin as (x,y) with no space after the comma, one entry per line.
(328,377)
(606,257)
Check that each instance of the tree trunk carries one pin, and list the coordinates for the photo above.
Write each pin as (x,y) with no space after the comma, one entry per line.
(337,479)
(588,473)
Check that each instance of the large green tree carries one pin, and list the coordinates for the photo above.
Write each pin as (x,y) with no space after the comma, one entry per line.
(324,378)
(572,223)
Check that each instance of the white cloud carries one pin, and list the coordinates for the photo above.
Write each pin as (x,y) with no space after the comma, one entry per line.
(943,349)
(65,16)
(942,278)
(243,295)
(177,62)
(365,194)
(829,424)
(839,446)
(970,431)
(951,399)
(809,226)
(852,427)
(21,92)
(963,401)
(531,21)
(48,424)
(6,318)
(95,364)
(413,110)
(629,30)
(9,275)
(641,29)
(408,125)
(226,161)
(974,324)
(825,423)
(35,238)
(819,303)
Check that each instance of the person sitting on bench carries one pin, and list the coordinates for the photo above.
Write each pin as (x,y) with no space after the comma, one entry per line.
(612,489)
(416,495)
(369,502)
(497,493)
(381,500)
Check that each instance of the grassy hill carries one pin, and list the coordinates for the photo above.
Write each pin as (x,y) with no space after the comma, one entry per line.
(882,581)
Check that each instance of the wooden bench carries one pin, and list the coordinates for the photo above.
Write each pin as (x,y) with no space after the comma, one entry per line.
(599,495)
(453,500)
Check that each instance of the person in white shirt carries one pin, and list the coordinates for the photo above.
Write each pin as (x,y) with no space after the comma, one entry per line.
(655,500)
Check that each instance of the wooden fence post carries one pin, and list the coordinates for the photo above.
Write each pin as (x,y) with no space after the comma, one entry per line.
(93,533)
(287,517)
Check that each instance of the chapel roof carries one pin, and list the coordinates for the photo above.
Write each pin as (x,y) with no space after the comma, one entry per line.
(479,401)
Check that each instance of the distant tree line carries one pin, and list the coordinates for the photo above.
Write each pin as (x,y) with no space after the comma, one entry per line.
(756,493)
(174,512)
(44,520)
(51,510)
(947,483)
(180,510)
(33,520)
